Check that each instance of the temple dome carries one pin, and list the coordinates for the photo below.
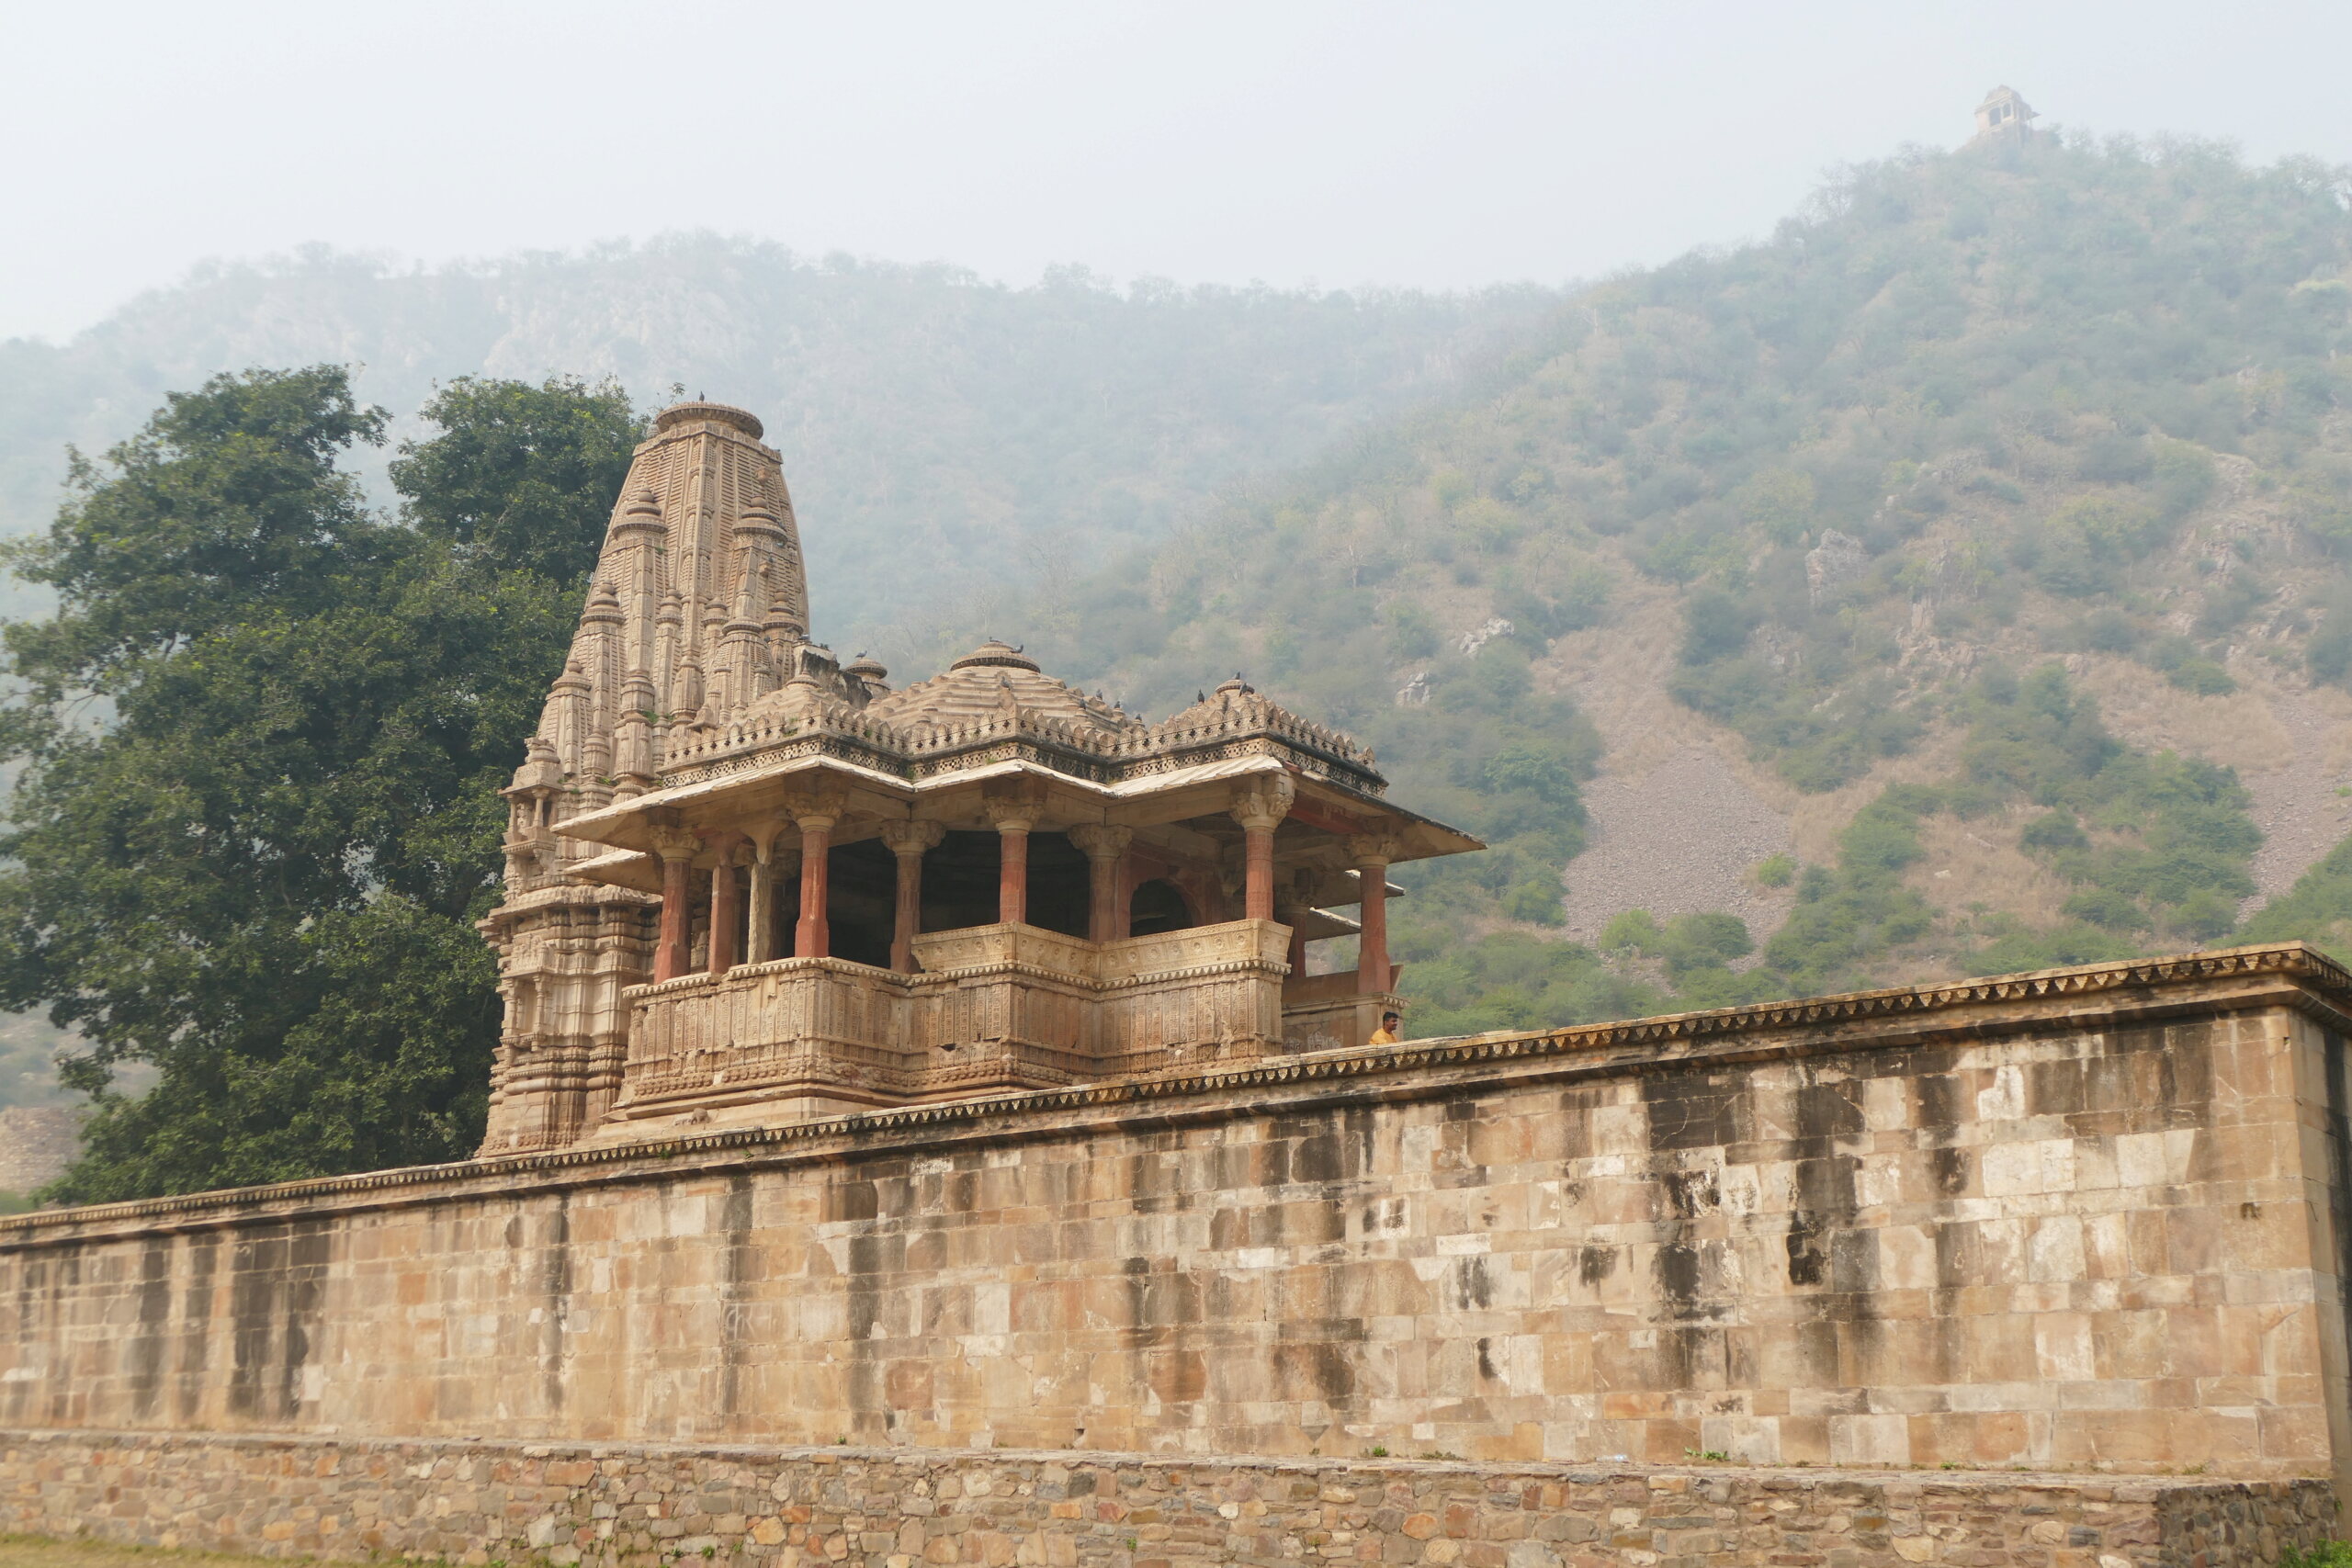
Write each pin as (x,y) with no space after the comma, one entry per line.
(994,654)
(984,683)
(718,413)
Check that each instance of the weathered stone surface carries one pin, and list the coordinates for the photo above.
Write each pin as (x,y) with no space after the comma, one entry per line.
(2089,1218)
(616,1505)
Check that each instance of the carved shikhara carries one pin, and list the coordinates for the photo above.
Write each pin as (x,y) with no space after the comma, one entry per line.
(694,715)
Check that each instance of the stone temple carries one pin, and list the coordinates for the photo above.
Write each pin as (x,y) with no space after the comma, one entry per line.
(916,1140)
(748,882)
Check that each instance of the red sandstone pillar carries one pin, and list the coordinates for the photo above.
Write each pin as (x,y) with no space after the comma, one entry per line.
(1257,807)
(1372,948)
(1012,877)
(1297,948)
(1103,899)
(1106,908)
(909,841)
(1258,873)
(1013,819)
(903,930)
(759,940)
(726,910)
(1372,852)
(812,937)
(678,852)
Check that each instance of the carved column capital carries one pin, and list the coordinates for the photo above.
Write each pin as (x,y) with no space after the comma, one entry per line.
(913,838)
(1261,802)
(816,808)
(675,843)
(1374,849)
(1012,815)
(1097,841)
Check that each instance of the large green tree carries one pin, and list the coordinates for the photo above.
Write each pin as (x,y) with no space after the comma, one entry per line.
(260,742)
(521,476)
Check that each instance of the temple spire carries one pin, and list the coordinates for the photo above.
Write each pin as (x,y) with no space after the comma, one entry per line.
(703,525)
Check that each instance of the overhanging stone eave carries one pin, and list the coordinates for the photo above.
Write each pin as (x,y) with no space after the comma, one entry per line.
(627,824)
(1316,925)
(1147,801)
(1336,809)
(636,869)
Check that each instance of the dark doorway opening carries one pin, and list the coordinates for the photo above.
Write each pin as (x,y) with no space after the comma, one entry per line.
(1158,905)
(862,896)
(960,879)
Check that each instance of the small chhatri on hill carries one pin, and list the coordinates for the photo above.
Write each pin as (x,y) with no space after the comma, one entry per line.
(2004,116)
(747,882)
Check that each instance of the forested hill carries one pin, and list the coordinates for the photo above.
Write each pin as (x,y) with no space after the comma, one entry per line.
(942,435)
(1954,581)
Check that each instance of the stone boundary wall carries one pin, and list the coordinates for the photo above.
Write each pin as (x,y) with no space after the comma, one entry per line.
(2089,1219)
(620,1507)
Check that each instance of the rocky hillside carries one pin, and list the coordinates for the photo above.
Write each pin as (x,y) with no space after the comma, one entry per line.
(1954,581)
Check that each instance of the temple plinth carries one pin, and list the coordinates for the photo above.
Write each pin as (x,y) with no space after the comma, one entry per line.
(749,883)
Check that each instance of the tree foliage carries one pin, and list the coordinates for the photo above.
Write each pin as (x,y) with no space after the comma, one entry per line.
(260,742)
(520,474)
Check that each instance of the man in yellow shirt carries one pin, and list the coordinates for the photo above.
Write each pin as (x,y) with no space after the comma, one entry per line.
(1386,1033)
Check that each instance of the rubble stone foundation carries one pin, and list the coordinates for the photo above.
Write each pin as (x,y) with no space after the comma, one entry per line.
(615,1506)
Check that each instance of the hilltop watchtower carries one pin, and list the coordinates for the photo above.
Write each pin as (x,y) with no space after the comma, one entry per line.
(2004,116)
(748,883)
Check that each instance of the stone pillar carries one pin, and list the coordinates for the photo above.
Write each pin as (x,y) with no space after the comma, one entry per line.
(1013,819)
(676,847)
(1123,893)
(725,909)
(1372,852)
(816,815)
(1297,947)
(909,841)
(1257,807)
(1107,910)
(760,940)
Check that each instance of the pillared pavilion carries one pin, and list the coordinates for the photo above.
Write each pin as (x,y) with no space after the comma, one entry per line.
(749,883)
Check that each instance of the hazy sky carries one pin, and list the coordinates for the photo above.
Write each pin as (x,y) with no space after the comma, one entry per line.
(1430,145)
